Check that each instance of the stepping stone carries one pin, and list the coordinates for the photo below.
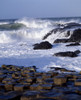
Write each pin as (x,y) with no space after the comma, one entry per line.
(60,80)
(46,75)
(47,86)
(29,95)
(78,82)
(19,87)
(39,79)
(36,87)
(50,95)
(9,86)
(2,77)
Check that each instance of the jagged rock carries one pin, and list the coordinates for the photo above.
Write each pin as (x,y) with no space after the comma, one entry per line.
(61,40)
(74,44)
(68,54)
(43,45)
(75,37)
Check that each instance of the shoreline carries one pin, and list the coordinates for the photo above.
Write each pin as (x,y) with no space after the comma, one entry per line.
(27,83)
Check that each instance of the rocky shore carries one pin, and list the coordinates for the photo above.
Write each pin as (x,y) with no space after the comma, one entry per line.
(26,83)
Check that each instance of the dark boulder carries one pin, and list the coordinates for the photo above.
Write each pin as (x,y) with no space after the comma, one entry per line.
(74,44)
(68,54)
(75,37)
(61,40)
(43,45)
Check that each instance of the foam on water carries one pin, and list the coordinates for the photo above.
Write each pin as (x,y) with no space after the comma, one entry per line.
(16,45)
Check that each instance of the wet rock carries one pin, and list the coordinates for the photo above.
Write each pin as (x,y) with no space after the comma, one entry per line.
(39,79)
(75,37)
(71,96)
(46,75)
(12,95)
(47,86)
(74,44)
(31,80)
(9,86)
(48,81)
(8,80)
(60,80)
(68,54)
(78,82)
(61,41)
(36,87)
(2,77)
(18,87)
(29,95)
(50,95)
(43,45)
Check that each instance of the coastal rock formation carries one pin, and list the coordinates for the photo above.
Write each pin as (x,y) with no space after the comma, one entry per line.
(74,44)
(52,85)
(75,37)
(62,28)
(42,45)
(68,54)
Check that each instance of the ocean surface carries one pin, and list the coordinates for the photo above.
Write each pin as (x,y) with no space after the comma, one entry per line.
(17,37)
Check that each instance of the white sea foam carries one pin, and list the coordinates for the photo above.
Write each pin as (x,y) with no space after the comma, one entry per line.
(18,49)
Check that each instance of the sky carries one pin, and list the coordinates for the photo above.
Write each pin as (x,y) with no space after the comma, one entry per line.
(39,8)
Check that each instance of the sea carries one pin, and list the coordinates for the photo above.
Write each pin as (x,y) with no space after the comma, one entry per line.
(17,37)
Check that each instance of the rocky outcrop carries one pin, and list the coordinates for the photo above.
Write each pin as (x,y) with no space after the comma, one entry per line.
(75,37)
(42,45)
(68,54)
(52,85)
(74,44)
(62,28)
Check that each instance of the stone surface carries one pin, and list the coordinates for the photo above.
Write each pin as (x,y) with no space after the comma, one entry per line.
(67,54)
(60,80)
(43,45)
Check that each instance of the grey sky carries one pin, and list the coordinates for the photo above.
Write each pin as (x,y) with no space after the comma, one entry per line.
(39,8)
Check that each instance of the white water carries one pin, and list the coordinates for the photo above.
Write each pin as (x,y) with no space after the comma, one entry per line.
(16,46)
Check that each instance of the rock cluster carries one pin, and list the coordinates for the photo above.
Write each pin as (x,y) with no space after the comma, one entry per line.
(75,37)
(42,45)
(25,83)
(68,54)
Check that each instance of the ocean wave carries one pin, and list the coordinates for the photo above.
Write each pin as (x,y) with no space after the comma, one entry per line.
(30,28)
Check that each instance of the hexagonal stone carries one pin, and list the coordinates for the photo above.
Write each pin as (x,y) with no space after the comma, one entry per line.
(8,80)
(4,66)
(71,96)
(2,77)
(36,87)
(39,79)
(48,81)
(60,80)
(29,95)
(18,87)
(47,86)
(78,82)
(9,86)
(31,79)
(46,75)
(50,95)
